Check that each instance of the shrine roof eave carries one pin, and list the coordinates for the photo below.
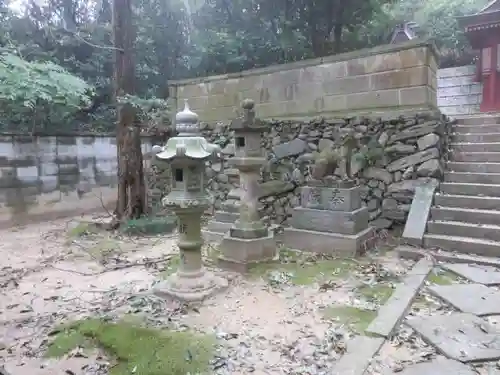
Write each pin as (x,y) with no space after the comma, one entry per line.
(478,20)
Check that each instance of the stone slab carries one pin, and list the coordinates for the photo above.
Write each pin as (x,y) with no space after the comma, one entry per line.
(439,366)
(415,253)
(485,275)
(460,336)
(330,198)
(419,212)
(360,351)
(475,299)
(212,237)
(394,310)
(240,254)
(288,149)
(329,243)
(341,222)
(226,217)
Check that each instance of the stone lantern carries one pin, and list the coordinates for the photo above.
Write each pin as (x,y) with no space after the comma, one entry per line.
(249,240)
(186,154)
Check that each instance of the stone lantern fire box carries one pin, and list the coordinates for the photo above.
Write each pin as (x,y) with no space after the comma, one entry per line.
(249,240)
(186,154)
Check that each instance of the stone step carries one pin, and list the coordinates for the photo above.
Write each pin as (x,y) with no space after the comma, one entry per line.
(218,226)
(466,201)
(226,217)
(465,245)
(466,215)
(468,177)
(468,129)
(476,147)
(476,137)
(473,167)
(461,188)
(460,229)
(478,120)
(478,157)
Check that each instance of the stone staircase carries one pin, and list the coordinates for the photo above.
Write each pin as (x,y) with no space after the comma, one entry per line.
(466,214)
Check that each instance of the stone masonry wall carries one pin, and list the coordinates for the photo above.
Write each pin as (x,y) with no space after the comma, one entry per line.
(51,176)
(391,157)
(385,78)
(458,91)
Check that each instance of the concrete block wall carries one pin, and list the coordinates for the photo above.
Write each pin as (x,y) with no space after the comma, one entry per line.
(52,176)
(458,92)
(386,78)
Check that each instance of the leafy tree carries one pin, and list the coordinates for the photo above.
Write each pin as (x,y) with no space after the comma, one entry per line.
(38,91)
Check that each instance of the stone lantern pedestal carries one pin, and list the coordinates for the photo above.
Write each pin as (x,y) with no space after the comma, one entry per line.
(186,155)
(249,240)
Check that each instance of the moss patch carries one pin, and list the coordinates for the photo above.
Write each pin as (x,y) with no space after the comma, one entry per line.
(137,350)
(438,276)
(82,229)
(357,319)
(301,269)
(149,225)
(379,293)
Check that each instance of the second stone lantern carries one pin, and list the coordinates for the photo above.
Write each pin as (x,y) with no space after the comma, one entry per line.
(186,154)
(249,240)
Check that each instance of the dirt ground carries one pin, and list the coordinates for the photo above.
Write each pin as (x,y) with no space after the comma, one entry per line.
(288,319)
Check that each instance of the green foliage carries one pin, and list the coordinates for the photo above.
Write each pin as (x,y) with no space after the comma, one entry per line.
(137,350)
(39,89)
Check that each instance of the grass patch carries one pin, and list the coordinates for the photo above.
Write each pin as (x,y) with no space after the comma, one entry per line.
(137,350)
(438,276)
(357,319)
(82,229)
(301,270)
(379,293)
(104,248)
(149,225)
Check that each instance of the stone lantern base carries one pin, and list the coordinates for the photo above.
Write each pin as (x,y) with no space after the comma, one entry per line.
(240,254)
(190,286)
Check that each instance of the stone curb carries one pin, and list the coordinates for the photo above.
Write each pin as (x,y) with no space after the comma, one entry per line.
(394,310)
(413,253)
(356,360)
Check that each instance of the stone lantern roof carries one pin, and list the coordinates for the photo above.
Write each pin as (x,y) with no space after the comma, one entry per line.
(188,143)
(248,123)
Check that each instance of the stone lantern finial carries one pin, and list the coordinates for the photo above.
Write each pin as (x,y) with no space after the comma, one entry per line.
(186,122)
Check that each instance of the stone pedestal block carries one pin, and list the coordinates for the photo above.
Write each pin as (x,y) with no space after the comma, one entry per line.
(224,218)
(330,220)
(239,254)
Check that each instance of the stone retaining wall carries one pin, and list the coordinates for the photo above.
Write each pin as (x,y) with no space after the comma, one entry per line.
(44,177)
(458,91)
(392,155)
(386,78)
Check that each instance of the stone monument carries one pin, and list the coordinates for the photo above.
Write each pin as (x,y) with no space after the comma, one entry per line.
(186,154)
(330,218)
(249,240)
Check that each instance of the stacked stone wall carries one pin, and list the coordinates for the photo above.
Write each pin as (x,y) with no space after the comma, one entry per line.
(391,156)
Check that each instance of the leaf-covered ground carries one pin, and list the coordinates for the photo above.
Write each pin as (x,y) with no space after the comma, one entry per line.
(290,316)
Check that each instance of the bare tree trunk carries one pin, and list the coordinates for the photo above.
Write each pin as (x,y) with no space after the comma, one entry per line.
(131,201)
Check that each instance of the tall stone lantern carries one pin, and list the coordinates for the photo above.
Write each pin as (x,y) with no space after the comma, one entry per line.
(249,240)
(186,155)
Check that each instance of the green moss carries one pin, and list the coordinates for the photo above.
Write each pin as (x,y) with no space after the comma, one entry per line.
(82,229)
(300,270)
(438,276)
(149,225)
(137,350)
(379,293)
(357,319)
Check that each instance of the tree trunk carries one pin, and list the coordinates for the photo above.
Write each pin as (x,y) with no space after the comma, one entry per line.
(131,201)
